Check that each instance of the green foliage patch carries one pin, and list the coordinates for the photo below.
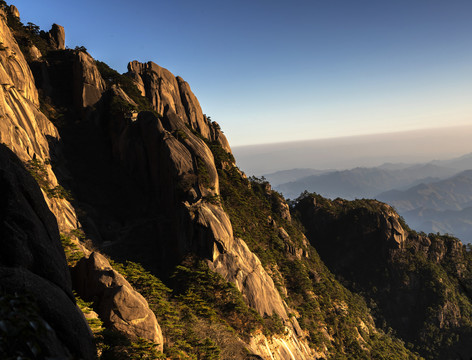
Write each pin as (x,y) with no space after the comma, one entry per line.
(201,316)
(38,170)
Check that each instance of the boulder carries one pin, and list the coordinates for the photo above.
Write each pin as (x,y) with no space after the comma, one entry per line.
(114,299)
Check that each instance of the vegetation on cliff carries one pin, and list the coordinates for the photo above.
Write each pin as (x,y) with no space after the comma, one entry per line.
(416,284)
(337,322)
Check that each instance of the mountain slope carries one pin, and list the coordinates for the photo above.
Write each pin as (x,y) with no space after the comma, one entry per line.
(418,285)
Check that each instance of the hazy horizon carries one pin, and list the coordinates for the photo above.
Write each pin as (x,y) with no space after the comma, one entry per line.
(410,147)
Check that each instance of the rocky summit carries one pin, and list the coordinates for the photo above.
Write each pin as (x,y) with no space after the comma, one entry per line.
(128,231)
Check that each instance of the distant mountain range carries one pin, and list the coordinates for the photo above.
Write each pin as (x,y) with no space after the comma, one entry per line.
(443,206)
(432,197)
(363,182)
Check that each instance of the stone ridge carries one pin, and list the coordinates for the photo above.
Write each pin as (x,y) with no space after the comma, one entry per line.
(163,90)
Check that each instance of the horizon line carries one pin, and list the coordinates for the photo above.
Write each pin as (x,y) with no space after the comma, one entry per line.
(353,136)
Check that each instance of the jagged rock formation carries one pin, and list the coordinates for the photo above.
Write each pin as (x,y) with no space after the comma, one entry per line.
(163,89)
(117,303)
(32,264)
(57,37)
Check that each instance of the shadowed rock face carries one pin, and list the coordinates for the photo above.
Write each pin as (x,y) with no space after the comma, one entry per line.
(117,303)
(32,262)
(370,228)
(406,274)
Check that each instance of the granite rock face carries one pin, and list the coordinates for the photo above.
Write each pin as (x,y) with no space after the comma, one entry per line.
(32,261)
(241,267)
(116,302)
(57,36)
(88,83)
(23,128)
(14,11)
(164,90)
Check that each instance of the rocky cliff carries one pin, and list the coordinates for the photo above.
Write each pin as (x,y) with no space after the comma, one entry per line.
(418,284)
(39,316)
(206,262)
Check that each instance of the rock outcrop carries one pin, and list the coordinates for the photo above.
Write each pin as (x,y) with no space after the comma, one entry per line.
(88,83)
(14,11)
(163,90)
(241,267)
(119,306)
(32,261)
(57,37)
(15,75)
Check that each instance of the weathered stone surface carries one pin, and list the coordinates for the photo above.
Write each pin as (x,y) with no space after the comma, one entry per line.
(116,302)
(57,36)
(14,11)
(160,85)
(288,347)
(34,53)
(88,83)
(213,230)
(164,90)
(241,267)
(23,128)
(15,74)
(32,260)
(193,109)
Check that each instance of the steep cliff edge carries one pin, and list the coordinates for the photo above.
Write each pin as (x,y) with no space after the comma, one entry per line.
(418,284)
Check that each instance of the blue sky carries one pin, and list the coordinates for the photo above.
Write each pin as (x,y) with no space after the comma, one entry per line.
(272,71)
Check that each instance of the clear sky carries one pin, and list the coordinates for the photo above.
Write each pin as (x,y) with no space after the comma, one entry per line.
(271,71)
